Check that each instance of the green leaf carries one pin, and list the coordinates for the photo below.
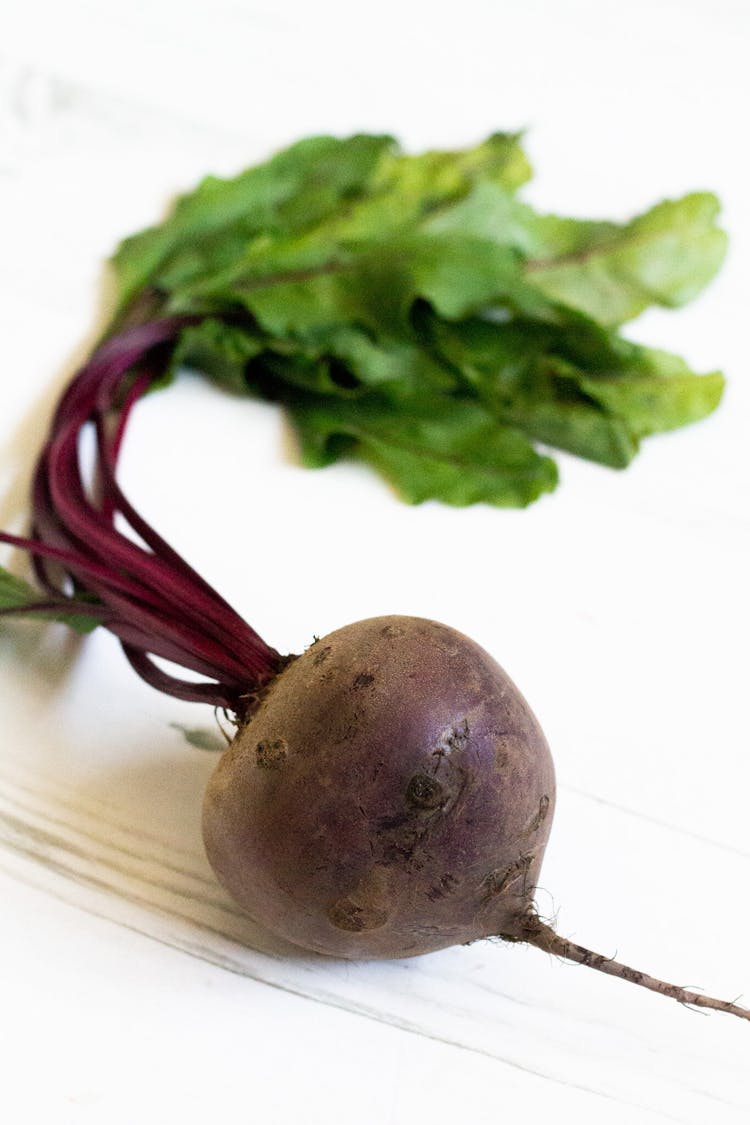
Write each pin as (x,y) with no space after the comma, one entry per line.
(576,386)
(209,226)
(18,596)
(459,275)
(517,375)
(664,257)
(552,407)
(610,271)
(320,192)
(413,188)
(302,290)
(660,394)
(399,363)
(490,211)
(366,288)
(448,449)
(218,349)
(14,591)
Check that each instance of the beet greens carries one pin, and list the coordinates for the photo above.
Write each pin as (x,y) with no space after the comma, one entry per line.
(413,312)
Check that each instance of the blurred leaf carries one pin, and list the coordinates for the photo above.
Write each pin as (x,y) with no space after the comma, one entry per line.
(664,257)
(201,738)
(403,306)
(446,449)
(22,600)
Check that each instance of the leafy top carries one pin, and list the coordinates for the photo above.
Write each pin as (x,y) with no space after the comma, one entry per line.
(410,310)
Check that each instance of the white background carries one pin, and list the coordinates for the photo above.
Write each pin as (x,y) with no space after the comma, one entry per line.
(130,989)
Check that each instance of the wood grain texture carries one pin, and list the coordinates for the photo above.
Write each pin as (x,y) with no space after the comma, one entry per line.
(83,856)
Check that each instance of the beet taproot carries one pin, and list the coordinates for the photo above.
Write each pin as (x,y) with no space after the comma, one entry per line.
(392,794)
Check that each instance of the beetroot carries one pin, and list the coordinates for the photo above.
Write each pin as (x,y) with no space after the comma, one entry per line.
(392,794)
(387,793)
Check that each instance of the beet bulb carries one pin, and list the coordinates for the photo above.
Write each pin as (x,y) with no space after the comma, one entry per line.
(391,795)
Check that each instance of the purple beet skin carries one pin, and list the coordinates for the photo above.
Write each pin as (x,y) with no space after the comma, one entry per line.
(392,795)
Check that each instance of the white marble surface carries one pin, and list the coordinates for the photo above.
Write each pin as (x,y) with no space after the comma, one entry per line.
(131,989)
